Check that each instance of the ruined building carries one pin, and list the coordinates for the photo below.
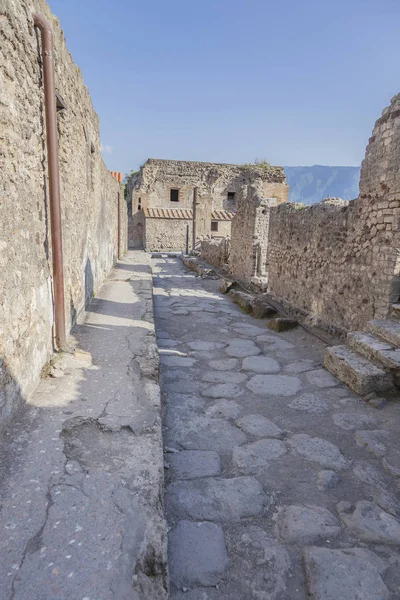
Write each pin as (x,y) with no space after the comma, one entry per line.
(169,198)
(93,210)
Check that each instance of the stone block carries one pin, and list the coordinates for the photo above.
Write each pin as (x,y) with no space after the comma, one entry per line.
(355,371)
(260,309)
(282,324)
(197,554)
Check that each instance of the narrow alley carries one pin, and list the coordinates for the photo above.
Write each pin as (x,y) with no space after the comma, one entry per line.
(280,482)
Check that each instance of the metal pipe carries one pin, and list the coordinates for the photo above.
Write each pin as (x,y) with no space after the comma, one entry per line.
(119,226)
(54,177)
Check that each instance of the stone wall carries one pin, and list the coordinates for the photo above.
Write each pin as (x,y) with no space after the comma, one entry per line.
(167,235)
(89,196)
(216,251)
(216,183)
(340,261)
(250,230)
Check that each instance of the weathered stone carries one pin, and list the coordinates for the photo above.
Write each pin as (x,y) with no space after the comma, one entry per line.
(240,348)
(259,426)
(202,345)
(250,458)
(388,329)
(225,408)
(374,440)
(245,328)
(374,348)
(260,309)
(391,462)
(217,499)
(349,421)
(214,434)
(274,385)
(223,377)
(370,523)
(318,450)
(225,364)
(266,564)
(221,390)
(282,324)
(307,524)
(355,371)
(177,361)
(321,378)
(309,403)
(241,299)
(189,464)
(300,366)
(327,480)
(197,554)
(261,364)
(225,285)
(350,574)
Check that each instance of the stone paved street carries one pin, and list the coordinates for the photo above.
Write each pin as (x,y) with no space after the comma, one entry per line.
(280,482)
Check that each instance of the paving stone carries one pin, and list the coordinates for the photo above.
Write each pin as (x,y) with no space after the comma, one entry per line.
(349,421)
(176,374)
(268,337)
(274,385)
(374,440)
(167,343)
(266,565)
(368,474)
(240,348)
(309,403)
(261,364)
(197,554)
(222,390)
(370,523)
(214,434)
(391,462)
(318,450)
(185,401)
(223,377)
(350,574)
(307,524)
(250,458)
(282,345)
(327,480)
(225,364)
(217,499)
(188,464)
(259,426)
(177,361)
(300,366)
(202,345)
(247,329)
(321,378)
(225,408)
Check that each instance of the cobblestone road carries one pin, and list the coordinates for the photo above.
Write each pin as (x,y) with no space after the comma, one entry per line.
(281,483)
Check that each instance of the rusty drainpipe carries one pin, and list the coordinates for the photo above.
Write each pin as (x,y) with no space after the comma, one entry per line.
(54,178)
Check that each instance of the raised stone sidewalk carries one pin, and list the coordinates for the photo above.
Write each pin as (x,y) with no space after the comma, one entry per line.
(82,467)
(281,482)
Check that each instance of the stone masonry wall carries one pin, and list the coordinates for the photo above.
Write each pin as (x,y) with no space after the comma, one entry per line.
(340,262)
(89,196)
(167,235)
(216,251)
(250,230)
(151,187)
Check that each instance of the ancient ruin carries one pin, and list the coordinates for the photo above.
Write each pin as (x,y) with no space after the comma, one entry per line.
(170,200)
(169,425)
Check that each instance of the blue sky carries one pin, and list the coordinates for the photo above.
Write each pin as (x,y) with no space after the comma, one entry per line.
(295,82)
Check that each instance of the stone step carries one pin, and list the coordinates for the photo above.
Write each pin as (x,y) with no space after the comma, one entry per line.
(356,371)
(388,329)
(395,311)
(374,348)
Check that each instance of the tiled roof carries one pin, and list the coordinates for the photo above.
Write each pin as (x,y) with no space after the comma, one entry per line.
(184,213)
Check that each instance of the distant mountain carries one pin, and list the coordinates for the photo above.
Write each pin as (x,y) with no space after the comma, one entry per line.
(312,184)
